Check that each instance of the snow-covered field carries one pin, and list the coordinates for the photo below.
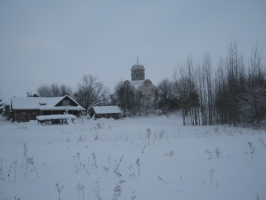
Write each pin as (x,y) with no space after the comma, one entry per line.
(134,158)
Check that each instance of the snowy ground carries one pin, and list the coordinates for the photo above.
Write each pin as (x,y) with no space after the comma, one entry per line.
(100,157)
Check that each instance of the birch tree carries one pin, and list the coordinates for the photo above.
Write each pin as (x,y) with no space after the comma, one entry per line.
(185,89)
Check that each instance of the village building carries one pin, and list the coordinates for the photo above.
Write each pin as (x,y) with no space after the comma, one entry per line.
(105,111)
(28,108)
(147,92)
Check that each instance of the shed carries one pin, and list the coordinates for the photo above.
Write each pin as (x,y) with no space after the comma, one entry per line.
(105,111)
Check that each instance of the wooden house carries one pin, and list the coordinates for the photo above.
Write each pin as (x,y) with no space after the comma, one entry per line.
(27,108)
(105,112)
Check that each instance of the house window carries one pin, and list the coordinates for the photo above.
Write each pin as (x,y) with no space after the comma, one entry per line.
(46,113)
(66,102)
(23,113)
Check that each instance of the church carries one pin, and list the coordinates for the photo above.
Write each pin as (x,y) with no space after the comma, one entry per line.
(146,93)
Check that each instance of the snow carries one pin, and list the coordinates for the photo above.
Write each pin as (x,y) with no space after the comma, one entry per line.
(106,109)
(176,162)
(48,117)
(137,83)
(41,103)
(137,65)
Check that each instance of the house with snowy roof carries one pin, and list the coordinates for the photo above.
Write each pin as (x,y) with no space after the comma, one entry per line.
(28,108)
(105,111)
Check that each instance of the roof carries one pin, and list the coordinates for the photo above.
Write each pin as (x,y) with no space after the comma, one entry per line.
(106,109)
(137,65)
(136,83)
(42,103)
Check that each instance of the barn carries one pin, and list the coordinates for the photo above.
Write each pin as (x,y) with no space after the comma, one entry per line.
(28,108)
(105,112)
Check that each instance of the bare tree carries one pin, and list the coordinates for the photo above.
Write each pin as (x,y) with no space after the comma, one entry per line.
(91,92)
(166,98)
(256,68)
(185,89)
(252,105)
(207,87)
(115,96)
(234,94)
(181,87)
(65,90)
(239,91)
(53,90)
(1,106)
(235,82)
(44,91)
(221,94)
(140,103)
(252,102)
(127,96)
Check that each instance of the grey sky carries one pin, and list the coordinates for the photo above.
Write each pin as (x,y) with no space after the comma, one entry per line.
(42,42)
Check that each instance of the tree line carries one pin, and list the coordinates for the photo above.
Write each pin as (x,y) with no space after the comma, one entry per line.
(233,91)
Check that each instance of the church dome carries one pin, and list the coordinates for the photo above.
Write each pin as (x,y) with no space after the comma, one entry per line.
(138,66)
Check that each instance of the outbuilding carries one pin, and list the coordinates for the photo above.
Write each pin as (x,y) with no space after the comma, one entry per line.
(105,112)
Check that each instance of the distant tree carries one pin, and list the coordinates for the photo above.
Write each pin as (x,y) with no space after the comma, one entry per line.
(133,101)
(127,97)
(235,83)
(233,64)
(252,105)
(167,101)
(220,94)
(44,91)
(205,88)
(65,90)
(185,89)
(91,92)
(53,90)
(240,88)
(252,101)
(1,106)
(140,103)
(146,96)
(234,94)
(115,96)
(181,88)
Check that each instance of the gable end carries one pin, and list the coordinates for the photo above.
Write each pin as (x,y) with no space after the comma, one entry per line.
(66,101)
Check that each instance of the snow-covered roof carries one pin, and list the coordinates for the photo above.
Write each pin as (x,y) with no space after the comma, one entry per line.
(106,109)
(43,103)
(137,65)
(137,83)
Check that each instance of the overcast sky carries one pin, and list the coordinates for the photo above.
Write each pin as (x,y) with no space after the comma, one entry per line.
(42,42)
